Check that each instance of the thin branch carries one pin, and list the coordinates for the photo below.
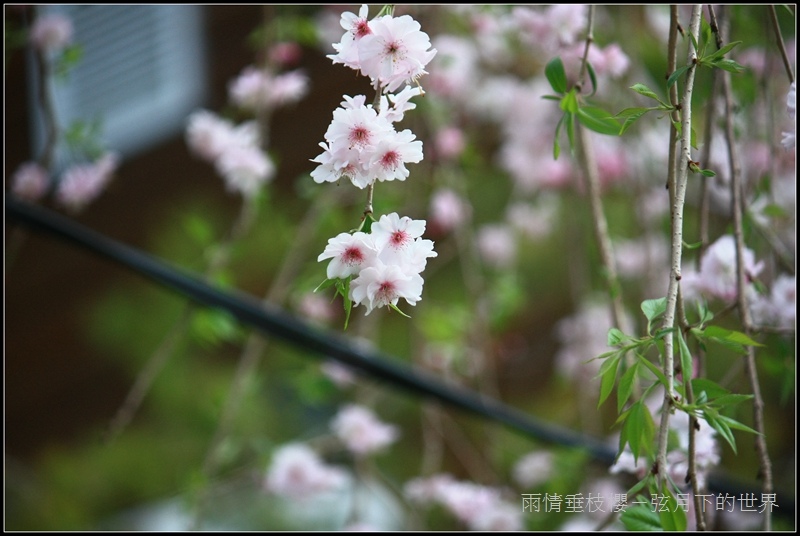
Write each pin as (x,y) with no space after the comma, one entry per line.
(744,311)
(773,16)
(678,201)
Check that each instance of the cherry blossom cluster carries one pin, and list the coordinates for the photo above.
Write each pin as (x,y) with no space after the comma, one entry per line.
(79,184)
(234,150)
(361,431)
(385,264)
(363,145)
(257,89)
(297,471)
(389,50)
(479,507)
(379,267)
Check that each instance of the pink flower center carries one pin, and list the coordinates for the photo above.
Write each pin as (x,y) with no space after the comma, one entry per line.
(352,256)
(399,239)
(359,135)
(395,50)
(390,160)
(386,292)
(362,29)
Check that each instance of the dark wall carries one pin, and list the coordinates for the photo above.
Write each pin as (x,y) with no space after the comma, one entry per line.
(57,384)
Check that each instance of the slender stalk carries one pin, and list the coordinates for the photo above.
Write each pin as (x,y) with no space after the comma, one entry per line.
(773,16)
(744,311)
(590,171)
(678,201)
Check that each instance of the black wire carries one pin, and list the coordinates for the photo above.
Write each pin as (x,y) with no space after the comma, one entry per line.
(326,344)
(271,320)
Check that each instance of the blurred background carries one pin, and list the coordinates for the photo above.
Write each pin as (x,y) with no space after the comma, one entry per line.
(80,330)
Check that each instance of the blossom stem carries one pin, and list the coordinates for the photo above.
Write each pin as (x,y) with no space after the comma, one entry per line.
(744,311)
(779,41)
(677,199)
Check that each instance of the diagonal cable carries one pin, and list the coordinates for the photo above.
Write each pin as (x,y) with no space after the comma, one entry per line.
(273,321)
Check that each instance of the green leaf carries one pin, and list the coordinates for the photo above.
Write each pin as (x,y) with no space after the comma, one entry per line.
(608,374)
(556,145)
(325,284)
(721,52)
(718,333)
(733,423)
(711,416)
(654,369)
(626,384)
(672,517)
(675,75)
(569,103)
(654,308)
(639,429)
(728,65)
(730,400)
(592,77)
(712,390)
(556,75)
(707,173)
(686,357)
(630,120)
(645,91)
(615,336)
(598,120)
(394,307)
(640,518)
(571,131)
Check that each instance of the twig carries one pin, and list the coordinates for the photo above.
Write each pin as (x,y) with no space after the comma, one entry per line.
(678,201)
(773,16)
(744,312)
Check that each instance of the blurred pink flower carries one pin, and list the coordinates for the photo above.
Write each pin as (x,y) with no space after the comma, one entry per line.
(448,210)
(296,471)
(30,181)
(717,275)
(51,32)
(285,54)
(534,468)
(361,431)
(82,183)
(450,143)
(497,245)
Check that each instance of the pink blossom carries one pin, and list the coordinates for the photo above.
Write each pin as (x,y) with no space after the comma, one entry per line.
(356,27)
(82,183)
(535,220)
(30,181)
(208,135)
(259,89)
(391,154)
(448,210)
(779,307)
(395,52)
(285,54)
(381,285)
(341,375)
(296,471)
(454,68)
(361,431)
(394,236)
(51,32)
(497,245)
(245,169)
(788,140)
(349,254)
(315,308)
(534,468)
(717,275)
(450,143)
(479,507)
